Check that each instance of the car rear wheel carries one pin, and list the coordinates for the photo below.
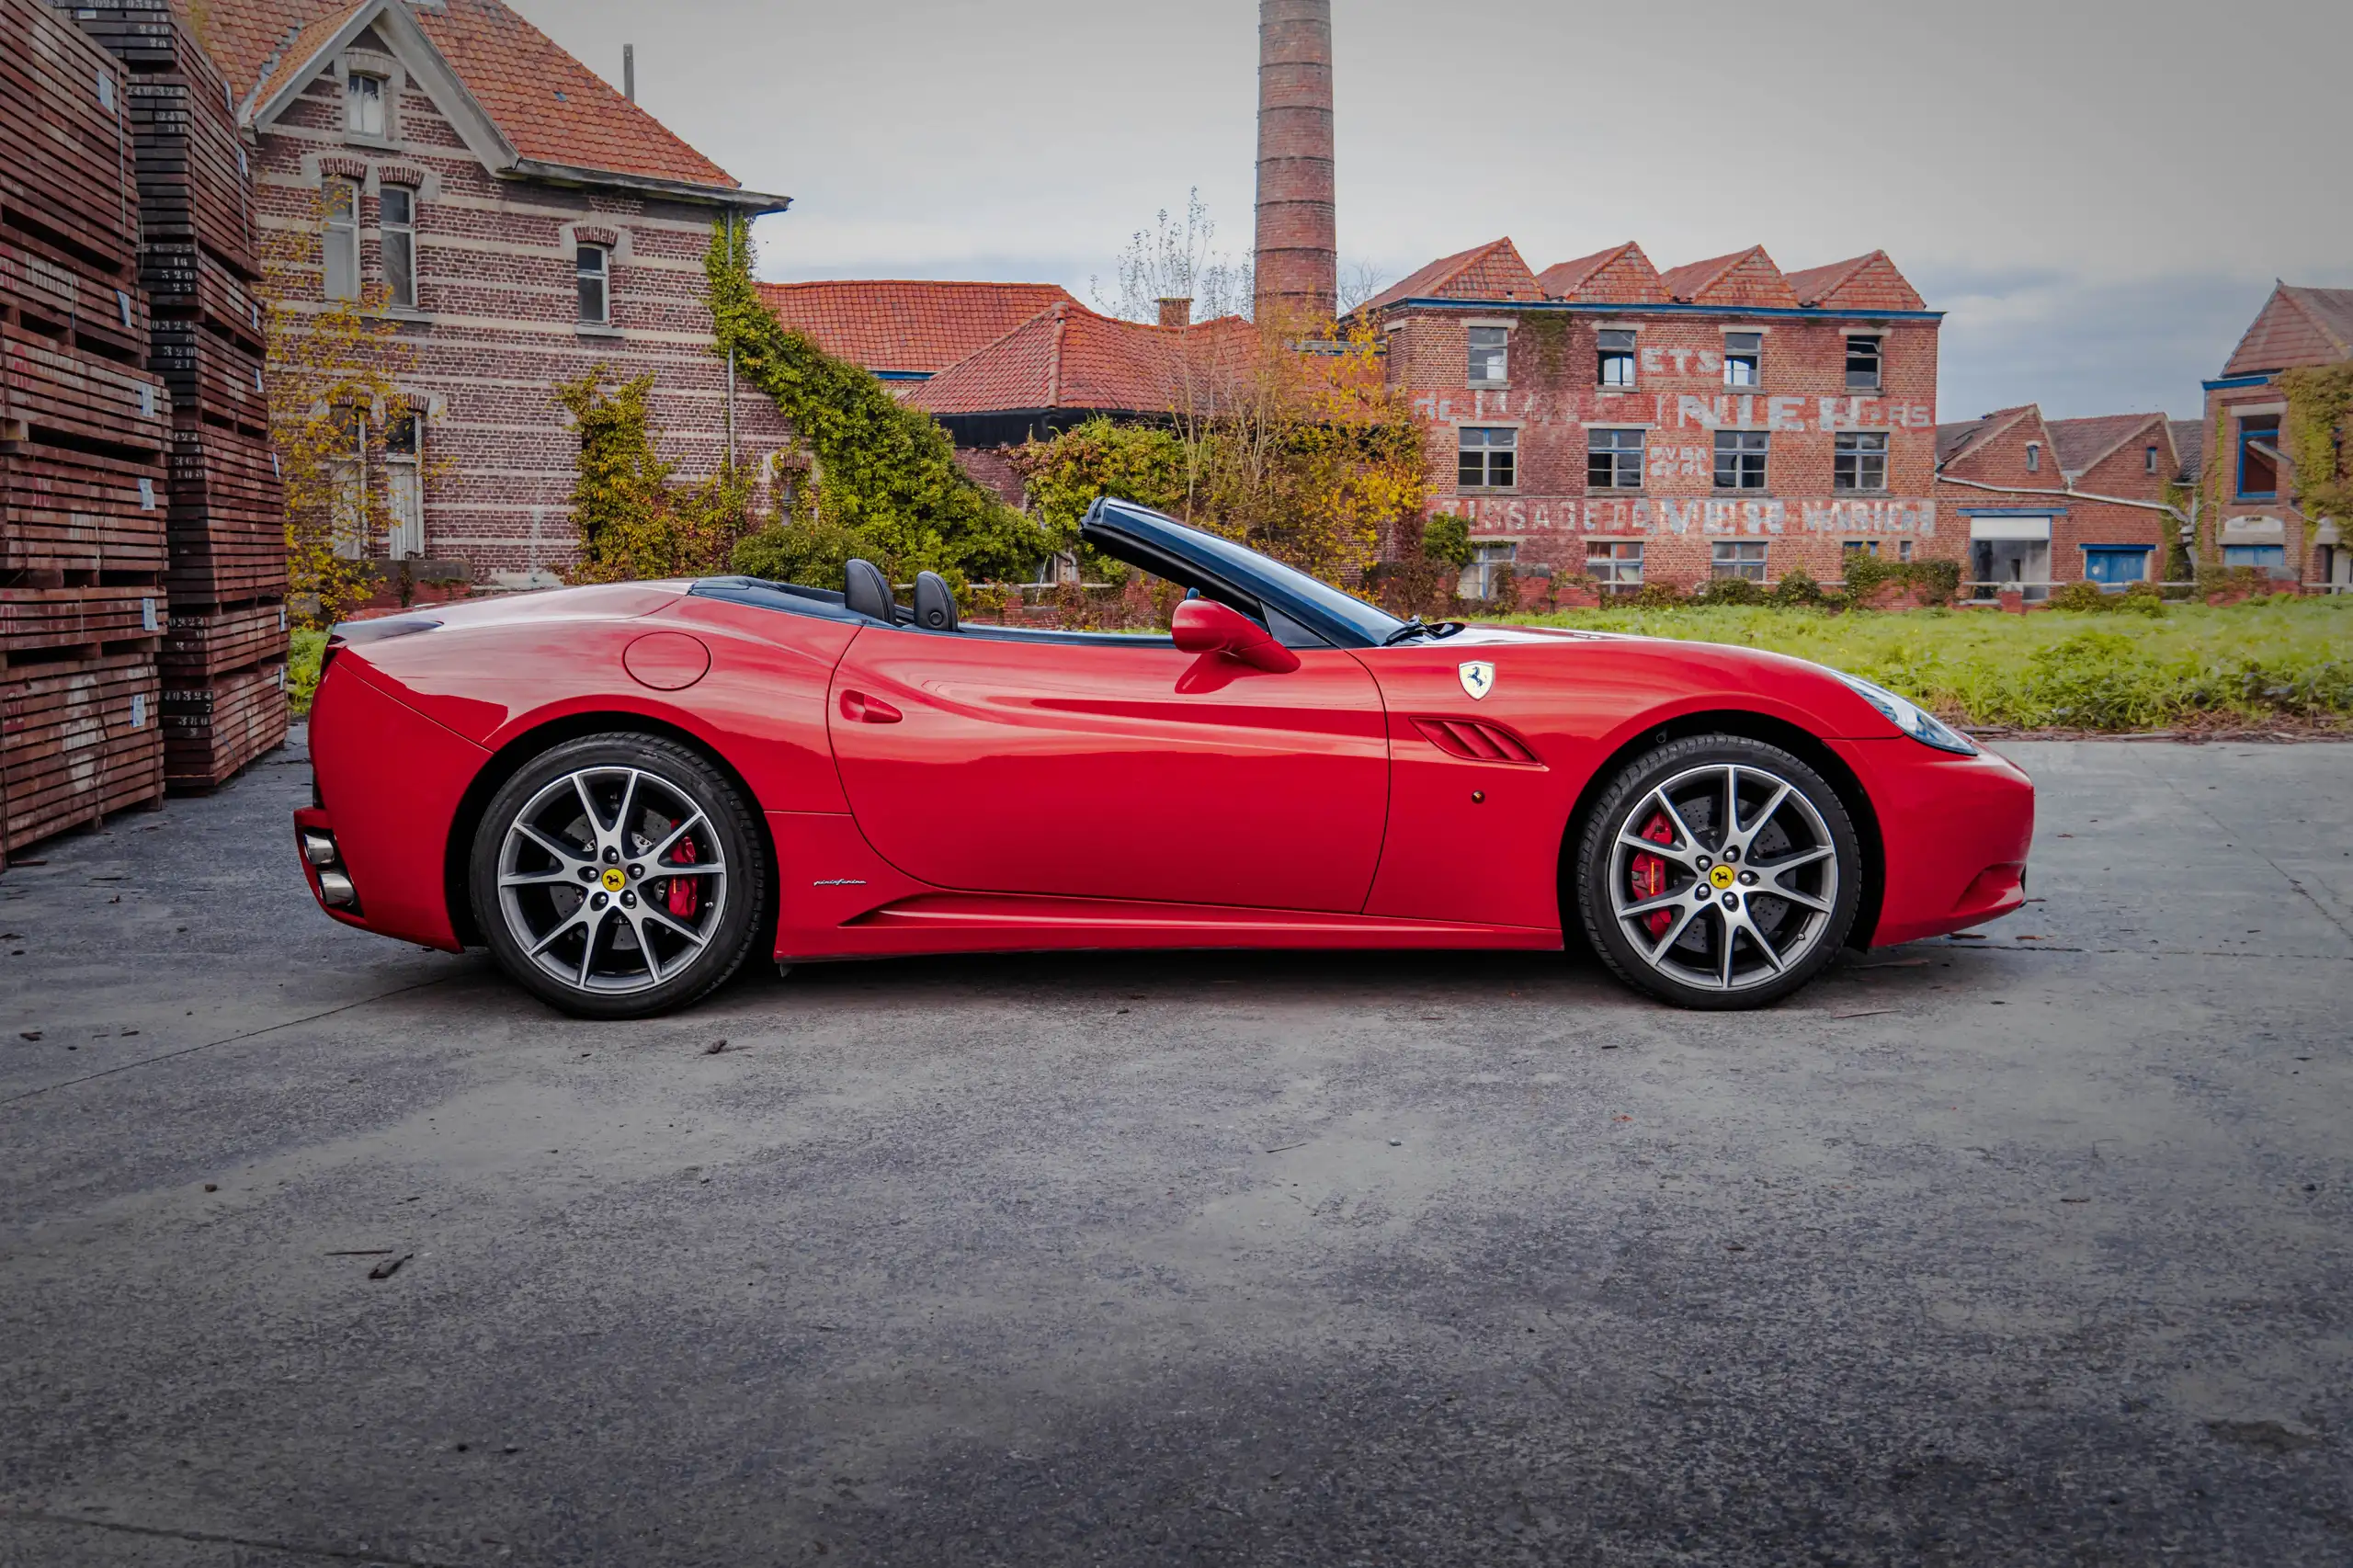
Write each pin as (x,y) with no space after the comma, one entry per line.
(618,876)
(1718,871)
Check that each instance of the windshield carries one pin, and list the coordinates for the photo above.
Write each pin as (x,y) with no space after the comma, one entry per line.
(1249,570)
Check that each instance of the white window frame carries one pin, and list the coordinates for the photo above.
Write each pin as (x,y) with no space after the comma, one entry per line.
(1614,562)
(1737,558)
(397,239)
(1855,456)
(1488,448)
(1494,352)
(603,275)
(404,483)
(367,96)
(1617,348)
(1744,351)
(1478,579)
(340,240)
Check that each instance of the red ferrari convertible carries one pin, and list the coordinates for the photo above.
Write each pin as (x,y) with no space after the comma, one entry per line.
(621,790)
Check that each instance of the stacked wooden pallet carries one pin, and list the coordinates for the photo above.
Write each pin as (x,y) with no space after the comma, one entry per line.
(224,661)
(85,430)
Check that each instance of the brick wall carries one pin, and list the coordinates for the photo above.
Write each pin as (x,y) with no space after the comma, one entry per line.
(1680,400)
(496,322)
(2089,507)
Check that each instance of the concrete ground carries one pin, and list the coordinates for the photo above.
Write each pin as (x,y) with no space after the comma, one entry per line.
(2032,1249)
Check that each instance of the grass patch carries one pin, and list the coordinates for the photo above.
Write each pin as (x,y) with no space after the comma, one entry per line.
(2256,662)
(302,669)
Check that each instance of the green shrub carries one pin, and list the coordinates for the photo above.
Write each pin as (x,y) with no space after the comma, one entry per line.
(1448,538)
(1730,591)
(2082,597)
(1656,596)
(1797,587)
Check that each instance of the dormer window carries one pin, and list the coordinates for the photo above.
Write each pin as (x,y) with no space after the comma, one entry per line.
(363,105)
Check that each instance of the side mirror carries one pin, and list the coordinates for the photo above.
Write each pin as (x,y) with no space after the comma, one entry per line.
(1205,626)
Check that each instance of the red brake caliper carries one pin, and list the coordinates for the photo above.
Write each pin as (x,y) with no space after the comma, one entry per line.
(686,892)
(1650,873)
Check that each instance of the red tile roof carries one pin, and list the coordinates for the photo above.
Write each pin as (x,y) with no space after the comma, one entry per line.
(1863,282)
(1954,441)
(909,326)
(2081,443)
(2189,445)
(2296,326)
(1068,357)
(552,109)
(1743,278)
(1620,275)
(1492,271)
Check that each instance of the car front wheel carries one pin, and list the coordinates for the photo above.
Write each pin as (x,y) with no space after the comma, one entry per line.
(618,876)
(1718,871)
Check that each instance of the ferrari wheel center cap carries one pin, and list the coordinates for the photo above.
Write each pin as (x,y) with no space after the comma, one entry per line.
(1722,876)
(614,879)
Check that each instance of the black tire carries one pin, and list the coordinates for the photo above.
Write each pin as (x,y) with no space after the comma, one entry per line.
(655,942)
(1695,925)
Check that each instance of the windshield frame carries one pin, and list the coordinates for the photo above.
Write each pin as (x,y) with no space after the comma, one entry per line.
(1339,616)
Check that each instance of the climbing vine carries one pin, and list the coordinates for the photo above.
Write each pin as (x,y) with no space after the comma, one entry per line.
(2320,407)
(632,521)
(884,481)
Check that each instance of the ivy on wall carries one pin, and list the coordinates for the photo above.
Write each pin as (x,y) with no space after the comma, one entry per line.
(2320,409)
(883,481)
(633,522)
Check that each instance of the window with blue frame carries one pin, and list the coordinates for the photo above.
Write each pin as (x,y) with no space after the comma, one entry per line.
(2116,563)
(2255,555)
(2260,458)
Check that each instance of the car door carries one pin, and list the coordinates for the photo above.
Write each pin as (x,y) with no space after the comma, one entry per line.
(1113,766)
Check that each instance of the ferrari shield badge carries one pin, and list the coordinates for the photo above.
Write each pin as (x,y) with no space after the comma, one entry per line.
(1478,677)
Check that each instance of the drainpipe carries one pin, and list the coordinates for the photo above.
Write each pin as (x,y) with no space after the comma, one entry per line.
(731,357)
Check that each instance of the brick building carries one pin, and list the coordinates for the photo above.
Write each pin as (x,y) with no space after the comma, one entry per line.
(2049,501)
(1720,419)
(527,222)
(2255,520)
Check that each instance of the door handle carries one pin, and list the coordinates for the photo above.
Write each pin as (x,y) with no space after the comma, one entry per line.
(860,709)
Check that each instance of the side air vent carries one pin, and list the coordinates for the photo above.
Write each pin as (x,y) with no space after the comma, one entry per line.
(1474,740)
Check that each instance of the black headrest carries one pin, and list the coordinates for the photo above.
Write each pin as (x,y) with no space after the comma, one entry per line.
(935,602)
(867,591)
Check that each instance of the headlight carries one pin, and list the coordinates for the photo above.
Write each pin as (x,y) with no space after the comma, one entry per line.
(1923,727)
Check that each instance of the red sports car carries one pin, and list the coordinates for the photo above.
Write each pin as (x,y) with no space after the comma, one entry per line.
(622,790)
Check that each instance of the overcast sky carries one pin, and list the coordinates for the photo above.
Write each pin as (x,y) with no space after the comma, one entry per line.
(2099,193)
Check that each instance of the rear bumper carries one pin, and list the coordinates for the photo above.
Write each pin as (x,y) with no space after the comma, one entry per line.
(1955,831)
(390,784)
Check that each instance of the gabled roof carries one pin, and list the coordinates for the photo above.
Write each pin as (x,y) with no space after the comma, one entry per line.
(1068,357)
(1743,278)
(895,326)
(1492,271)
(545,106)
(2082,445)
(2189,445)
(1967,438)
(2296,326)
(1620,275)
(1863,282)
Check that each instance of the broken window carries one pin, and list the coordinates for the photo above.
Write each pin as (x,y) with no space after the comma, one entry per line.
(1859,547)
(1490,360)
(2034,456)
(396,220)
(2260,457)
(1613,460)
(1614,563)
(363,105)
(1863,364)
(594,266)
(1861,461)
(405,484)
(1730,558)
(1617,358)
(342,237)
(1488,563)
(1904,549)
(1740,458)
(1487,459)
(1744,355)
(2149,460)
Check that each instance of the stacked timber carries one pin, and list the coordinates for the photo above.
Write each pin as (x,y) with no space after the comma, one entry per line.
(85,434)
(224,656)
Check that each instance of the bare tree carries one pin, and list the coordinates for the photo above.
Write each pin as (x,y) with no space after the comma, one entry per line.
(1174,260)
(1360,282)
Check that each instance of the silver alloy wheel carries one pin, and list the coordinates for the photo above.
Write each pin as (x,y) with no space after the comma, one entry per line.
(1723,878)
(611,879)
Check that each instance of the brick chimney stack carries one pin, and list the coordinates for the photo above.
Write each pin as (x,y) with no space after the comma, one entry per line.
(1298,260)
(1177,310)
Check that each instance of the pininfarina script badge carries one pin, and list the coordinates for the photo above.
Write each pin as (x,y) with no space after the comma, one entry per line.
(1478,678)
